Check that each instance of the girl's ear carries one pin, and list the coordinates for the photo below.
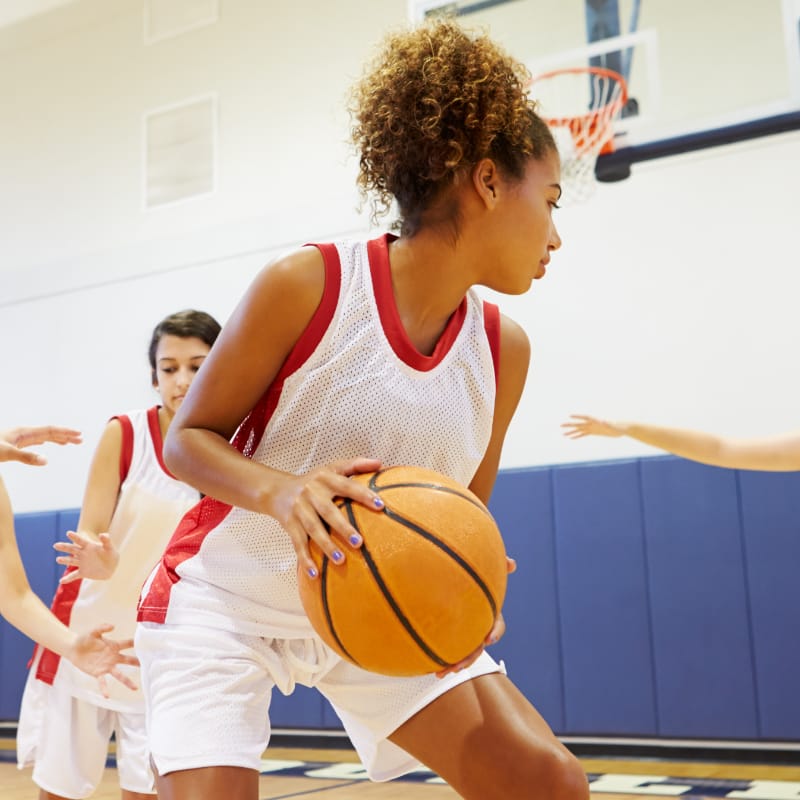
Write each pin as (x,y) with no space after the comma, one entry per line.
(486,180)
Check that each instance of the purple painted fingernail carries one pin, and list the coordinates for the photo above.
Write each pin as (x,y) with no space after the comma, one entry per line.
(377,502)
(337,555)
(355,539)
(312,572)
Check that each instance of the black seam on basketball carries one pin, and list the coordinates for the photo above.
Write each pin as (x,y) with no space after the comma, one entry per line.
(433,539)
(424,485)
(324,595)
(403,619)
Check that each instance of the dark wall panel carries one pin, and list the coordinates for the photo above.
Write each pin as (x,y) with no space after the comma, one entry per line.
(701,628)
(608,668)
(771,525)
(531,648)
(36,534)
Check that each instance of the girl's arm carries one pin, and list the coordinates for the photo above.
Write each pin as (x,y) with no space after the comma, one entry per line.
(13,441)
(772,454)
(515,353)
(243,363)
(90,553)
(25,611)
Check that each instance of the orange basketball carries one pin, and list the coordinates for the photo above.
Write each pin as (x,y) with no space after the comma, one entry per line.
(424,590)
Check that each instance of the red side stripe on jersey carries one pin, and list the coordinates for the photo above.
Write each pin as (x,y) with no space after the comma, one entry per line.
(126,455)
(199,521)
(491,322)
(185,543)
(378,253)
(64,599)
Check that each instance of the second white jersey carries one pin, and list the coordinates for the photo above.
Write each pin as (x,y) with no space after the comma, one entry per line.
(150,504)
(353,386)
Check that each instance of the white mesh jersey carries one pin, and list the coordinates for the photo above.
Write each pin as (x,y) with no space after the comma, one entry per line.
(150,504)
(354,385)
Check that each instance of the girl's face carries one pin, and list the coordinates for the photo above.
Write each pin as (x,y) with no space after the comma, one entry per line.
(177,362)
(524,232)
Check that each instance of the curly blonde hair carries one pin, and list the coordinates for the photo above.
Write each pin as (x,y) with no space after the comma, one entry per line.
(435,101)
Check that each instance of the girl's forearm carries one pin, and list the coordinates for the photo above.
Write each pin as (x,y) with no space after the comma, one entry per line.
(26,612)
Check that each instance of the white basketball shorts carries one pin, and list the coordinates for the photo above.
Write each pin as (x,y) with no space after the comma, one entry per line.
(207,695)
(66,740)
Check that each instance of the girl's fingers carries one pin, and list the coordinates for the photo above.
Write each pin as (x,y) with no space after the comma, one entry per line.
(123,679)
(325,519)
(305,563)
(100,630)
(342,486)
(355,466)
(318,517)
(463,664)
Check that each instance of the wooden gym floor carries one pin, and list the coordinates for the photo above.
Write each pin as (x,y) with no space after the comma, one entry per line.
(335,774)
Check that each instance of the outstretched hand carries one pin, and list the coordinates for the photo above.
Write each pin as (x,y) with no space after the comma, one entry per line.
(13,441)
(87,557)
(582,425)
(98,656)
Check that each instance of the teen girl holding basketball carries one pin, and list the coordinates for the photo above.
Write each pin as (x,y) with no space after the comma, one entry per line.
(341,358)
(90,652)
(130,508)
(770,454)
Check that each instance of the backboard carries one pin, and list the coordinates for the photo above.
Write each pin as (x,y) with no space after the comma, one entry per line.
(699,74)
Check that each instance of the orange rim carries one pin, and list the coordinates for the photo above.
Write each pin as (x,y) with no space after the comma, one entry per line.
(585,127)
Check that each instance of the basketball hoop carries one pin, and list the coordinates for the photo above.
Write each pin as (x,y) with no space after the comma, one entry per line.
(580,105)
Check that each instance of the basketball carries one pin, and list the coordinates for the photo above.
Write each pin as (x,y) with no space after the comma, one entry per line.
(425,588)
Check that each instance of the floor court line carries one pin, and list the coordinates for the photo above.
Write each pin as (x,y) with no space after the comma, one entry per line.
(290,773)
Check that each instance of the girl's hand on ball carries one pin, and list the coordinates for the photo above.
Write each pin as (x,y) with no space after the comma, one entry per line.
(306,508)
(498,629)
(495,634)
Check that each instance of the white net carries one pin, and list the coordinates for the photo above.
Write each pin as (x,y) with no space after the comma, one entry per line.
(580,106)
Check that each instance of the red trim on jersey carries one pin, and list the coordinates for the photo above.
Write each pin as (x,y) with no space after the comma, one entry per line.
(491,322)
(65,597)
(378,252)
(154,427)
(209,513)
(252,429)
(315,330)
(126,454)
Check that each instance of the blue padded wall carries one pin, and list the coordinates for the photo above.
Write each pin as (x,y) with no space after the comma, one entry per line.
(653,597)
(771,524)
(36,534)
(301,709)
(522,505)
(608,660)
(700,610)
